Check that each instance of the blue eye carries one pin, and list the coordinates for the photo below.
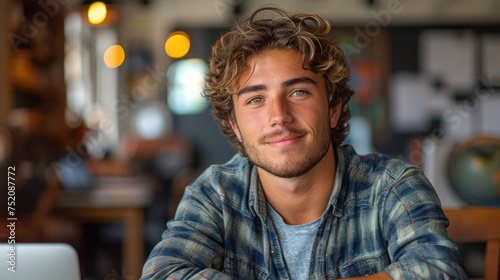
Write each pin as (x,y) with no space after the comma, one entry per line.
(299,92)
(255,100)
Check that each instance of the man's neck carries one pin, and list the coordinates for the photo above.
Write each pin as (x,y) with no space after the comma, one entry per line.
(302,199)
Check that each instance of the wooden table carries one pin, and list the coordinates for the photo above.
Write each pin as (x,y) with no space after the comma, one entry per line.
(120,200)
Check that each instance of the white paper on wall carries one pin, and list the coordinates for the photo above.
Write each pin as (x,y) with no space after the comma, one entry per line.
(490,112)
(451,56)
(411,97)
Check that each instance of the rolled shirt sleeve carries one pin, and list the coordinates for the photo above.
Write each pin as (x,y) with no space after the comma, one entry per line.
(414,225)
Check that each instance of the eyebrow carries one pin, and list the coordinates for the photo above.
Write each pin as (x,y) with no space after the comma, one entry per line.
(284,84)
(300,80)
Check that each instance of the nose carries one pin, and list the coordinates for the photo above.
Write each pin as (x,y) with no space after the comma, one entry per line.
(279,111)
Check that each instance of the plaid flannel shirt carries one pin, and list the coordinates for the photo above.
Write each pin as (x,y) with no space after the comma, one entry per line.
(383,214)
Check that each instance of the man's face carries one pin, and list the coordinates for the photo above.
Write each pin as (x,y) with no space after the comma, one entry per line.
(282,113)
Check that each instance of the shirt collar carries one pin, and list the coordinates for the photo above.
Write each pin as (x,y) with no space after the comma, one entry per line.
(338,195)
(257,198)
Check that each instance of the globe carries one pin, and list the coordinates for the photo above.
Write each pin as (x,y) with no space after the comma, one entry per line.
(474,170)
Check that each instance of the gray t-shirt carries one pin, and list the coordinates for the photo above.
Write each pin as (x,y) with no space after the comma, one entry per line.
(296,242)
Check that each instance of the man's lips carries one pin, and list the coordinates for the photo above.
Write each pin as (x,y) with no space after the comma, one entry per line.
(284,137)
(284,140)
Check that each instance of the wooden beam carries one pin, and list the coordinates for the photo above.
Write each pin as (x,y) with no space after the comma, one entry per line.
(5,88)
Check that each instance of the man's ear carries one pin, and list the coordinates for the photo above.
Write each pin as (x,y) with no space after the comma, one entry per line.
(236,129)
(335,114)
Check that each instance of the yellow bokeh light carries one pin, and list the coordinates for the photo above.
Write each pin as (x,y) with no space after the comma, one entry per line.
(114,56)
(177,44)
(97,12)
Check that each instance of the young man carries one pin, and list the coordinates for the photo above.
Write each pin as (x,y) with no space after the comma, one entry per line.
(295,203)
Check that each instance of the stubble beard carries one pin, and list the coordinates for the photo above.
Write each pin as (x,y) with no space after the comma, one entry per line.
(289,168)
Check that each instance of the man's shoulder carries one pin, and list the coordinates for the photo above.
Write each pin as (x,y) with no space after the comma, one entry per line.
(227,183)
(234,166)
(375,163)
(371,177)
(233,173)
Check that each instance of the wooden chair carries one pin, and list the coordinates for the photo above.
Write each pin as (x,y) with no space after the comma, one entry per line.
(478,225)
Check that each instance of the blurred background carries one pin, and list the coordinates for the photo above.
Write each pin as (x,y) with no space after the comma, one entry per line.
(102,123)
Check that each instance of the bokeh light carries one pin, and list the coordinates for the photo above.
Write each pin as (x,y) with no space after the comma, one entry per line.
(114,56)
(97,12)
(186,79)
(177,44)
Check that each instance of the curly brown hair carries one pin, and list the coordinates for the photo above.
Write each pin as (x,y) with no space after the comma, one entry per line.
(307,33)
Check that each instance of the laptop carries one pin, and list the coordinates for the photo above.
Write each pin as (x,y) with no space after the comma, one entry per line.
(42,261)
